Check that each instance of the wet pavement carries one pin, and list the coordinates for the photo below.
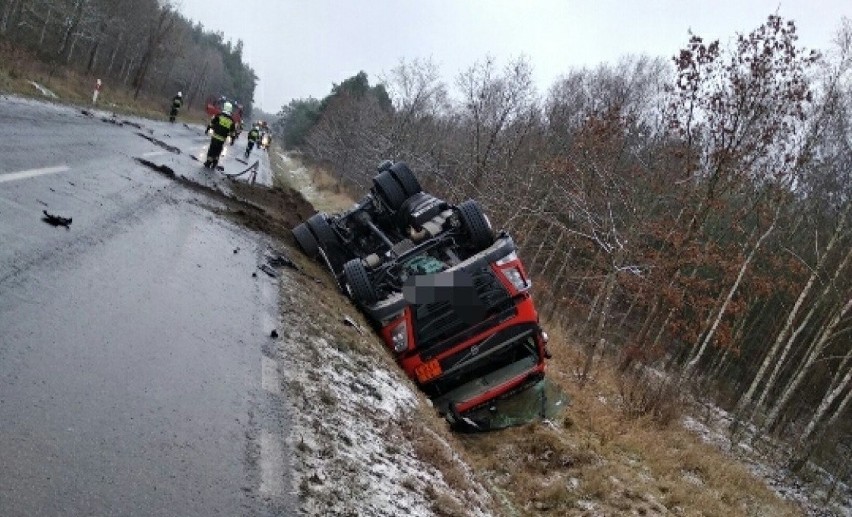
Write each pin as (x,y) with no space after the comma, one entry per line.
(137,375)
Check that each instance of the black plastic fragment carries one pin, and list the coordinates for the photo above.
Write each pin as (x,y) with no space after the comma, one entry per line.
(56,220)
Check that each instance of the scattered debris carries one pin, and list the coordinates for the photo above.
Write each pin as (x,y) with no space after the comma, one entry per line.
(56,220)
(273,334)
(162,169)
(266,268)
(351,323)
(44,91)
(160,143)
(254,274)
(279,259)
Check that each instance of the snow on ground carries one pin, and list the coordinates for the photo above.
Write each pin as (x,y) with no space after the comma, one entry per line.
(713,428)
(352,454)
(44,91)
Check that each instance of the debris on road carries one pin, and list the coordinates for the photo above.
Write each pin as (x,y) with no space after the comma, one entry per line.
(160,143)
(348,321)
(279,259)
(273,334)
(56,220)
(162,169)
(266,268)
(236,250)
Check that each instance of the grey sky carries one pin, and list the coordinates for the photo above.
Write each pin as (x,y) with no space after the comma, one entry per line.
(299,48)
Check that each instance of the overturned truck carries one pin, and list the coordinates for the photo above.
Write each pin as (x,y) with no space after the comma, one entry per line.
(447,293)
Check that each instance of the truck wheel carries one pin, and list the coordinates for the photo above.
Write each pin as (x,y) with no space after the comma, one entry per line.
(320,228)
(389,189)
(306,240)
(358,283)
(475,224)
(406,178)
(327,240)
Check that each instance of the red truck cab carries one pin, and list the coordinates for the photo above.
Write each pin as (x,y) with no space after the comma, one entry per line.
(466,351)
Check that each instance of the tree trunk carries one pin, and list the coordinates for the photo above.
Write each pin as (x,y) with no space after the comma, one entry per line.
(827,401)
(67,47)
(824,338)
(8,15)
(746,400)
(690,366)
(44,28)
(829,286)
(597,339)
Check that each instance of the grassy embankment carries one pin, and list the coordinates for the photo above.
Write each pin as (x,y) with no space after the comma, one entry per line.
(18,69)
(619,449)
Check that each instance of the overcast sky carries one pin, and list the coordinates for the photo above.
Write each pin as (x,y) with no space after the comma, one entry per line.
(298,48)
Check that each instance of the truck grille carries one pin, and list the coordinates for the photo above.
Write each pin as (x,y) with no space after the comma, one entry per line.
(439,325)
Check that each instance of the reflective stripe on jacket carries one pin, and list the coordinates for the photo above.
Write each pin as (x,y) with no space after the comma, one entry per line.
(222,126)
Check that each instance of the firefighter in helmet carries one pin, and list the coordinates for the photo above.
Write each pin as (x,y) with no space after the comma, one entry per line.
(223,126)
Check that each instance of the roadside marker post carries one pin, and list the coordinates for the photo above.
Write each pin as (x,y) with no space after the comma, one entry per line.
(97,91)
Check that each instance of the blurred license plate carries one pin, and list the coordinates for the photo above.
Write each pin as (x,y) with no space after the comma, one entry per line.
(428,371)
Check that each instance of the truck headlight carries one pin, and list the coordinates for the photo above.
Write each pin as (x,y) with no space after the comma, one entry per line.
(514,276)
(399,337)
(510,266)
(511,257)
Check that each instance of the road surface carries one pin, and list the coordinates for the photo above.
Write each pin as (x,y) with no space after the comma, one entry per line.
(137,372)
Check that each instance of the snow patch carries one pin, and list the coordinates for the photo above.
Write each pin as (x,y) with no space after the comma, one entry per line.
(352,455)
(715,430)
(44,91)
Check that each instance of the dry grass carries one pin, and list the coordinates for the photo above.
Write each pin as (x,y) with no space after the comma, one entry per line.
(602,457)
(18,67)
(617,450)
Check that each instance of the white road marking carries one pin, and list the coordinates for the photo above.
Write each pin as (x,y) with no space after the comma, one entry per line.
(271,465)
(269,379)
(32,173)
(153,153)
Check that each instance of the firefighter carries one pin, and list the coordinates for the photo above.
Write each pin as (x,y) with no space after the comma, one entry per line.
(253,136)
(222,126)
(176,104)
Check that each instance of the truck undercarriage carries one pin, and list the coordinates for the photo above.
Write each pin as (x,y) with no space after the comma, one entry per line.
(449,296)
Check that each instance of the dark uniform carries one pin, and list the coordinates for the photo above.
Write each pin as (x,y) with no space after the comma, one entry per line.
(177,102)
(223,126)
(253,137)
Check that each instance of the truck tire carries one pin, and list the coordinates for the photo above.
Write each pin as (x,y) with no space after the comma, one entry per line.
(358,283)
(327,241)
(406,178)
(306,240)
(390,190)
(476,225)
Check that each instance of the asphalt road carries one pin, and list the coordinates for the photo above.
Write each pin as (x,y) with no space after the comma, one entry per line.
(137,375)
